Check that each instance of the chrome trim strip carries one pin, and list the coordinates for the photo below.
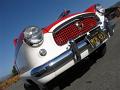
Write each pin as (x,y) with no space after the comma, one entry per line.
(53,64)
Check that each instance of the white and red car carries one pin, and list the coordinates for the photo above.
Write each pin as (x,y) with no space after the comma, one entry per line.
(43,54)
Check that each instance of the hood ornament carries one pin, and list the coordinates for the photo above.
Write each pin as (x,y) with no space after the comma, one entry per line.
(79,25)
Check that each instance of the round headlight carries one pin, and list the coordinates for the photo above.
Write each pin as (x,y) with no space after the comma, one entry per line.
(33,36)
(100,9)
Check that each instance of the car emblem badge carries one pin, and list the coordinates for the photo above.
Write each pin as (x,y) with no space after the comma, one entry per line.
(79,25)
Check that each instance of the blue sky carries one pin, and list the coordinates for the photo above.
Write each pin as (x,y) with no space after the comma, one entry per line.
(17,14)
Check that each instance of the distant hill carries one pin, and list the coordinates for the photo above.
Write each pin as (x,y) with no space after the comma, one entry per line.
(113,11)
(5,78)
(116,5)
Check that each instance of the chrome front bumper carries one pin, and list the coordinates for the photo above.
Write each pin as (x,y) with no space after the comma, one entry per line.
(74,53)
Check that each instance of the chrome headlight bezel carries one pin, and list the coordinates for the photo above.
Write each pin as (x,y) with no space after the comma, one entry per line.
(100,9)
(33,36)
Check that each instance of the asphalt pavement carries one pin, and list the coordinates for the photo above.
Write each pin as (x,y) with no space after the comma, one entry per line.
(92,74)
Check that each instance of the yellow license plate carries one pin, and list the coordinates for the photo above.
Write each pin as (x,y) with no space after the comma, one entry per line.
(97,39)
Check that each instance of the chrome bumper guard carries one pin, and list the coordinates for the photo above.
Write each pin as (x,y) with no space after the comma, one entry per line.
(72,54)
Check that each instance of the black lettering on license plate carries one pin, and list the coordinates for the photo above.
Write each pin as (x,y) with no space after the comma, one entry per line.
(97,39)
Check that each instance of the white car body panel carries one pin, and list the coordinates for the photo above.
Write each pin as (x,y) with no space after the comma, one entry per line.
(33,56)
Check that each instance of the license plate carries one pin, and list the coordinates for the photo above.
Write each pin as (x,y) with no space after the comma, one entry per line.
(96,39)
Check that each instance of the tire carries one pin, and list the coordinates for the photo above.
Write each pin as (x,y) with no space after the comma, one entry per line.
(56,88)
(30,85)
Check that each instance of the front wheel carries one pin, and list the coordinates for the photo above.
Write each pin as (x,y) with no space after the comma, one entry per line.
(30,85)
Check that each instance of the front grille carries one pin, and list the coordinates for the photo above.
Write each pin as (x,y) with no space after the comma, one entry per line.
(72,31)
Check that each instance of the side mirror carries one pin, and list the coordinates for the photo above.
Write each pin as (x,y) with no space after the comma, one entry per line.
(64,13)
(15,42)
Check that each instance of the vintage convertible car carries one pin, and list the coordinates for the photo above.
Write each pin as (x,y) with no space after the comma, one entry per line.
(43,54)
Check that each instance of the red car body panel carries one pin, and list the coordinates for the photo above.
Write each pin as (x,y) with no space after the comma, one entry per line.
(91,9)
